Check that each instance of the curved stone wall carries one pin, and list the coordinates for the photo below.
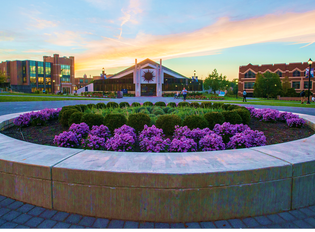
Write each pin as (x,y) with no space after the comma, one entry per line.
(160,187)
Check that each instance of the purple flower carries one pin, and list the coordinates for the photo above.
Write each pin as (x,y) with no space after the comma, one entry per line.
(246,139)
(126,130)
(183,145)
(94,142)
(100,131)
(67,139)
(120,142)
(82,129)
(295,122)
(154,144)
(211,142)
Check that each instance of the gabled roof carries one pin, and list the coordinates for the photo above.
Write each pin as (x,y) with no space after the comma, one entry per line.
(145,63)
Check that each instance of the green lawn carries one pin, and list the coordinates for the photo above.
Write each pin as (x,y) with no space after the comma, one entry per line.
(35,95)
(22,99)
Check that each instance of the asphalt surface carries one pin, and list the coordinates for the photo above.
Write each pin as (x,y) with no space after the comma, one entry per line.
(16,214)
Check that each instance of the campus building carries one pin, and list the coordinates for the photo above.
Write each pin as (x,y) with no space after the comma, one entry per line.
(53,74)
(295,72)
(147,78)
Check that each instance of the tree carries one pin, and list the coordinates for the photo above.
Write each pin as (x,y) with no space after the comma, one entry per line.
(215,81)
(286,85)
(267,85)
(3,77)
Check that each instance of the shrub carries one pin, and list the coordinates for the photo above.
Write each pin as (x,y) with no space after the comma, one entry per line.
(233,107)
(227,130)
(206,104)
(157,111)
(135,104)
(83,107)
(67,139)
(124,104)
(100,105)
(94,142)
(232,117)
(171,104)
(160,104)
(66,108)
(245,115)
(246,139)
(114,121)
(122,142)
(295,122)
(166,109)
(214,118)
(211,142)
(138,120)
(100,131)
(65,115)
(92,119)
(183,145)
(168,123)
(75,118)
(91,106)
(195,121)
(225,106)
(194,104)
(217,105)
(150,109)
(183,104)
(112,105)
(148,104)
(80,129)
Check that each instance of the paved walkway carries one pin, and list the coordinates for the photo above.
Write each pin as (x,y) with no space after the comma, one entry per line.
(16,214)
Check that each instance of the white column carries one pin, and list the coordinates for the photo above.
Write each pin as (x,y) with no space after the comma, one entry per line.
(135,79)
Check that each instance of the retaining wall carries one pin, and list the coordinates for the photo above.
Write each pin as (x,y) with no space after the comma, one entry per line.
(160,187)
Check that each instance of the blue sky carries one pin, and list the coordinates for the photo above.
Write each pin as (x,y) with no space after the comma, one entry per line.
(188,35)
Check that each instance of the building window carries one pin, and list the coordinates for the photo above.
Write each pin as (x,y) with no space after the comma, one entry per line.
(306,85)
(296,73)
(279,73)
(48,81)
(65,70)
(250,74)
(81,81)
(86,81)
(40,80)
(33,72)
(296,85)
(40,68)
(249,85)
(47,69)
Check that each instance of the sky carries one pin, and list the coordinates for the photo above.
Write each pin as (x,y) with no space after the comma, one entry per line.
(187,35)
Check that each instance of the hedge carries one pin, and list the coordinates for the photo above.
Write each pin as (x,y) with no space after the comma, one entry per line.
(92,119)
(168,123)
(138,120)
(114,121)
(195,121)
(214,118)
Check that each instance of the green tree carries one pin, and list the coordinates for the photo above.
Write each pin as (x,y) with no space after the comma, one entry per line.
(3,77)
(215,81)
(286,85)
(259,86)
(267,85)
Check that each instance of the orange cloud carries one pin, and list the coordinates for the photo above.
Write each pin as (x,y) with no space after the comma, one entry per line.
(211,39)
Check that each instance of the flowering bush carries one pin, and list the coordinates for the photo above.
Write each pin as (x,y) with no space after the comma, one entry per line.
(181,131)
(100,131)
(36,118)
(121,142)
(149,132)
(154,144)
(270,115)
(295,122)
(23,120)
(80,129)
(93,142)
(227,130)
(211,142)
(183,145)
(246,139)
(126,130)
(67,139)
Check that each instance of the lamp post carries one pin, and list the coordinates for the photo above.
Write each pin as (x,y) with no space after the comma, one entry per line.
(236,88)
(60,79)
(309,80)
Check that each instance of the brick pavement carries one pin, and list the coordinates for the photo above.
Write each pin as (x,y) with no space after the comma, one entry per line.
(16,214)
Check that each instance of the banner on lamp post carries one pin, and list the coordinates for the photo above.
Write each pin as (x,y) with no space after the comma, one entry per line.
(307,72)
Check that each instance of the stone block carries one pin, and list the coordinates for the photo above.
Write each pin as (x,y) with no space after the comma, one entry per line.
(303,191)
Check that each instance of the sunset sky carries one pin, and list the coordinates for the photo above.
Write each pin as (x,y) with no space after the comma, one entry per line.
(188,35)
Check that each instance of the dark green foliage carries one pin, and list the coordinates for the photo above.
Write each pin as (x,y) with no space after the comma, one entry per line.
(206,104)
(140,109)
(138,120)
(77,107)
(150,109)
(92,119)
(166,109)
(194,104)
(100,105)
(171,104)
(75,118)
(217,105)
(233,107)
(134,104)
(148,104)
(232,117)
(168,123)
(91,106)
(112,105)
(157,111)
(83,107)
(160,104)
(214,118)
(225,106)
(245,115)
(183,104)
(195,121)
(66,108)
(114,121)
(124,104)
(65,115)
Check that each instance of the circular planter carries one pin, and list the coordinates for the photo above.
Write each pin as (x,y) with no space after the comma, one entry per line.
(160,187)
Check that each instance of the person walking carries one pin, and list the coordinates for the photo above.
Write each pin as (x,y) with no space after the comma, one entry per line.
(302,95)
(184,93)
(244,96)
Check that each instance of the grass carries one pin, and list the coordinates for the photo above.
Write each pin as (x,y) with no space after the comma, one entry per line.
(34,95)
(23,99)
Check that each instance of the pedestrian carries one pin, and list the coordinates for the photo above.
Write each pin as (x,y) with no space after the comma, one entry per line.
(302,95)
(184,93)
(313,99)
(244,96)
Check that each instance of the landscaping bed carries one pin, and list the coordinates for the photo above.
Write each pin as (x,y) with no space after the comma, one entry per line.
(222,126)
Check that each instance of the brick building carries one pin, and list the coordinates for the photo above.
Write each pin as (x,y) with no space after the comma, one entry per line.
(82,81)
(295,72)
(53,74)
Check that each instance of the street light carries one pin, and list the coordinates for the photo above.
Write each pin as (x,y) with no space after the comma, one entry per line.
(60,79)
(309,80)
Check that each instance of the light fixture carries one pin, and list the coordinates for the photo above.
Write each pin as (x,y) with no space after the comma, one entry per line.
(310,62)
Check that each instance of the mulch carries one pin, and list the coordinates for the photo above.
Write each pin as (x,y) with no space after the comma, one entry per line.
(274,132)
